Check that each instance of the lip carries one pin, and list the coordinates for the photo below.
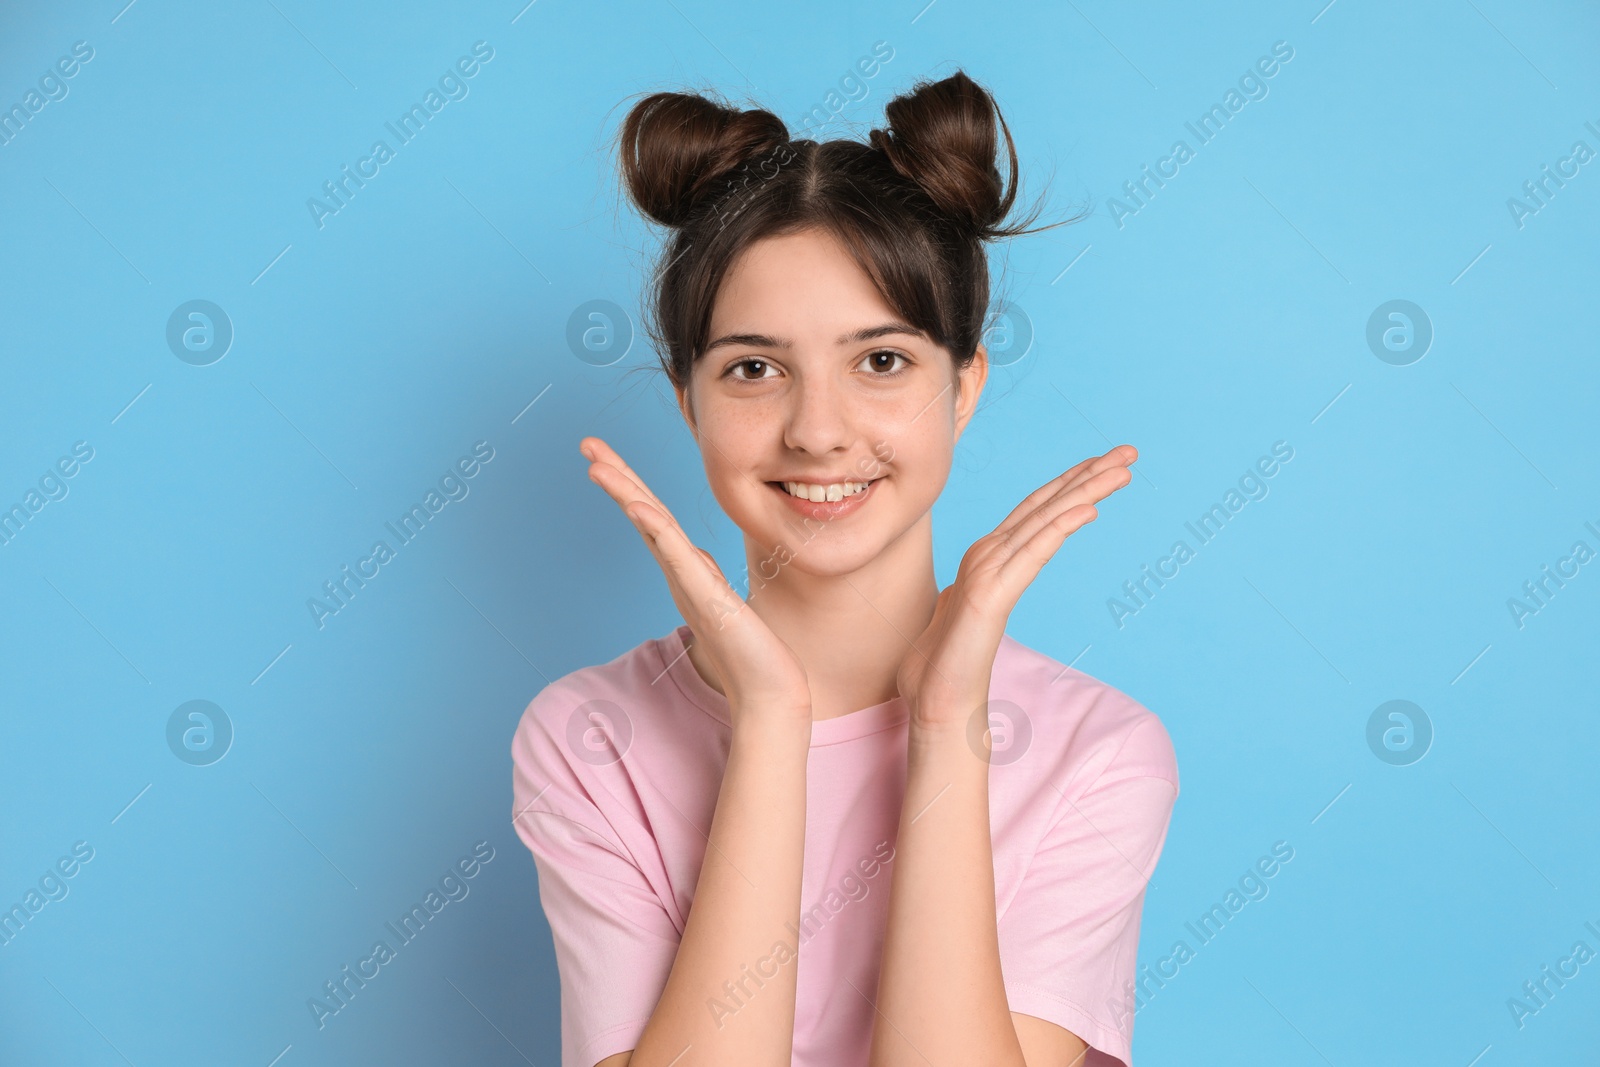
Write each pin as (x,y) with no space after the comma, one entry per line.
(826,509)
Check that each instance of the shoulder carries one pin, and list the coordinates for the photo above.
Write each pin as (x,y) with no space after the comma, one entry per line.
(551,704)
(1090,731)
(585,720)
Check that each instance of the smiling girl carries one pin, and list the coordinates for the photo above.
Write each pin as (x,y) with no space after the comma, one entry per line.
(849,820)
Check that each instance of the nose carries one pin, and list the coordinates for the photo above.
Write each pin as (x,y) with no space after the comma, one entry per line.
(819,418)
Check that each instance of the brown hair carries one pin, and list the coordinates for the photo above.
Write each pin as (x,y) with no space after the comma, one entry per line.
(914,206)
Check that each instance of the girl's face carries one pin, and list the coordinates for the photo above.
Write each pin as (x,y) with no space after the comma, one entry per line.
(809,377)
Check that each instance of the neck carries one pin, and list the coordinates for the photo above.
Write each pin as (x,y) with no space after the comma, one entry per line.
(850,630)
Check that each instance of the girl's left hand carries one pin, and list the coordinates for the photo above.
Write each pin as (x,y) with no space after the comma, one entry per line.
(945,676)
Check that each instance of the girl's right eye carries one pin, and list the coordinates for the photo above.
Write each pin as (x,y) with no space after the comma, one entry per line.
(761,365)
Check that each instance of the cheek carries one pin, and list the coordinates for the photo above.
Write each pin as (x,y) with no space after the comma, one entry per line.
(728,483)
(922,467)
(731,442)
(917,444)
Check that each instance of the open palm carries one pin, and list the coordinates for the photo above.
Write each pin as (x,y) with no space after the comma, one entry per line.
(944,677)
(754,666)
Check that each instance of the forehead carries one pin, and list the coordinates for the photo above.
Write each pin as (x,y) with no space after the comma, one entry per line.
(805,283)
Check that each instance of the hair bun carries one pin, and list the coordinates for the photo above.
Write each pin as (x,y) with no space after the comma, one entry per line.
(674,147)
(943,136)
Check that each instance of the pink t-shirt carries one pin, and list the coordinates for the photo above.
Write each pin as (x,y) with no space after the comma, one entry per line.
(616,769)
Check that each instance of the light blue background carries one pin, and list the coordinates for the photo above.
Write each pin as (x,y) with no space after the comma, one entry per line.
(370,354)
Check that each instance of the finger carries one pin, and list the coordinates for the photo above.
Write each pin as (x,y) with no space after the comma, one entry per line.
(697,583)
(662,533)
(1121,455)
(620,487)
(1091,490)
(1024,565)
(686,566)
(626,490)
(598,452)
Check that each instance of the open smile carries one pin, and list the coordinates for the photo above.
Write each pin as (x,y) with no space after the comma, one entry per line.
(841,504)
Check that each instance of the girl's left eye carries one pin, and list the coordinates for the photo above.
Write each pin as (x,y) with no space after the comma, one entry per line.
(880,369)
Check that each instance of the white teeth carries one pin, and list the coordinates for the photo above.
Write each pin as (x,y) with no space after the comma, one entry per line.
(821,493)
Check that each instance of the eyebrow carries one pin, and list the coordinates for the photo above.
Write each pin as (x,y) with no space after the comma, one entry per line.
(866,333)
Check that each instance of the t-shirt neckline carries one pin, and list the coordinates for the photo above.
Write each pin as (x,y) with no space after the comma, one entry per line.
(675,661)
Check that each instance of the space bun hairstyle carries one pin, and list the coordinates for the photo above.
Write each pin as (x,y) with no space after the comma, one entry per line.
(914,205)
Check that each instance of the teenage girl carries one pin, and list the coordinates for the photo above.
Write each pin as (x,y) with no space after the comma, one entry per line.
(845,819)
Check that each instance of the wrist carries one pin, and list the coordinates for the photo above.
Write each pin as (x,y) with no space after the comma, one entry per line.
(937,729)
(937,718)
(953,744)
(772,728)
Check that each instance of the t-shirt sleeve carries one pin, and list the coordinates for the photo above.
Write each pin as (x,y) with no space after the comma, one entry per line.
(1069,938)
(614,939)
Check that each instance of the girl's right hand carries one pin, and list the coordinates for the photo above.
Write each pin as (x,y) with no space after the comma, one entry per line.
(754,666)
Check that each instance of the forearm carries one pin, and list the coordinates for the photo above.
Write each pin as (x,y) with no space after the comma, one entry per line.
(730,996)
(941,997)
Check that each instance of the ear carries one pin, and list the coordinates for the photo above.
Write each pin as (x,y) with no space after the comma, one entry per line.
(969,386)
(686,409)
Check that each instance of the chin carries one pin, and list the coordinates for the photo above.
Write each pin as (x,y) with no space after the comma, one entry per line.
(811,561)
(820,550)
